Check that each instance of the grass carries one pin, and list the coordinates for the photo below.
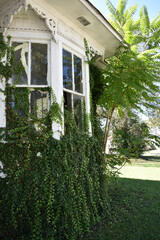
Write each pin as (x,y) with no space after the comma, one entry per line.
(148,159)
(147,167)
(135,203)
(135,212)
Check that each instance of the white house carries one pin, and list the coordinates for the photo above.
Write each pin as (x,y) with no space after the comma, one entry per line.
(49,34)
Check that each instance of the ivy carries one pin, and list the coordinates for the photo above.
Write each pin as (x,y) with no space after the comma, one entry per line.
(53,189)
(85,119)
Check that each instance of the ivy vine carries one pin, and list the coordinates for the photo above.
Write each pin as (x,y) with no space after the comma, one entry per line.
(52,189)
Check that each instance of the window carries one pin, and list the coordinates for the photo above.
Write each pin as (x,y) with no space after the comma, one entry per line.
(34,58)
(73,85)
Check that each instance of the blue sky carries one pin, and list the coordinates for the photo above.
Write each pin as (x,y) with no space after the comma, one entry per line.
(153,6)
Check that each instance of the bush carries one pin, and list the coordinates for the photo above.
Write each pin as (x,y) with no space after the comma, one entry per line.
(53,189)
(130,136)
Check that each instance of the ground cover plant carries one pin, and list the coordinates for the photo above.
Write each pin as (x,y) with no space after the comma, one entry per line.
(135,212)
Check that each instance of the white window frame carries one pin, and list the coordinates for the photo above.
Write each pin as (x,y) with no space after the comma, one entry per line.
(29,61)
(29,85)
(74,92)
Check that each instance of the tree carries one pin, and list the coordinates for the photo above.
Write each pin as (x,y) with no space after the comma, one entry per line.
(122,19)
(154,117)
(141,34)
(130,78)
(129,84)
(130,136)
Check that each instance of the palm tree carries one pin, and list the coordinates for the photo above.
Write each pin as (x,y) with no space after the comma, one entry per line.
(122,19)
(142,34)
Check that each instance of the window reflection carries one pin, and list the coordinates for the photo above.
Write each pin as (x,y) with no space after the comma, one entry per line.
(38,64)
(38,67)
(21,53)
(72,80)
(67,101)
(78,74)
(67,70)
(77,110)
(39,104)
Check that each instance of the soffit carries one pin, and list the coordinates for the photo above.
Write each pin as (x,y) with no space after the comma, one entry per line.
(99,29)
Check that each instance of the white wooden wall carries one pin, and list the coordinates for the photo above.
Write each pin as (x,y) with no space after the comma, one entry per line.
(28,25)
(2,106)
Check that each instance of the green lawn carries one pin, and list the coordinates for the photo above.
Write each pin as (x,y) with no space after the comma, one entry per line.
(135,203)
(135,212)
(147,167)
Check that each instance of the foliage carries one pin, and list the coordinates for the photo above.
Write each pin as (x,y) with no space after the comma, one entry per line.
(122,19)
(130,83)
(53,189)
(130,136)
(96,89)
(129,80)
(142,34)
(154,116)
(132,75)
(18,113)
(55,112)
(8,63)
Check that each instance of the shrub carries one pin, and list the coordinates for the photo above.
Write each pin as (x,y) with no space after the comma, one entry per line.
(130,136)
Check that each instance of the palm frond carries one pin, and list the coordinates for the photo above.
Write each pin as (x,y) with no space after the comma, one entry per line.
(121,6)
(116,25)
(144,20)
(113,11)
(136,24)
(155,24)
(155,36)
(137,39)
(156,56)
(127,25)
(128,14)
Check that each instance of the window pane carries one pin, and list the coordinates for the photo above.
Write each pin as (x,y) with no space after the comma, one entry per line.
(78,74)
(39,104)
(21,53)
(67,101)
(77,110)
(67,70)
(39,64)
(17,107)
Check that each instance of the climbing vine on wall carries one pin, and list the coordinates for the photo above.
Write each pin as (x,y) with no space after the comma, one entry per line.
(96,89)
(52,189)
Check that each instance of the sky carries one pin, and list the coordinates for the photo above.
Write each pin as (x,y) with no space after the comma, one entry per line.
(153,6)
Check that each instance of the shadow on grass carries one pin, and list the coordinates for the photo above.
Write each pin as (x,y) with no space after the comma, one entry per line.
(151,158)
(135,211)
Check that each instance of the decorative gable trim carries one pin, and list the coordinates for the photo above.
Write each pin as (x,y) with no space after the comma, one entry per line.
(7,16)
(50,22)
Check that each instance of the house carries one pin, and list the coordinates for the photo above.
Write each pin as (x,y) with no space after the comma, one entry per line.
(48,36)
